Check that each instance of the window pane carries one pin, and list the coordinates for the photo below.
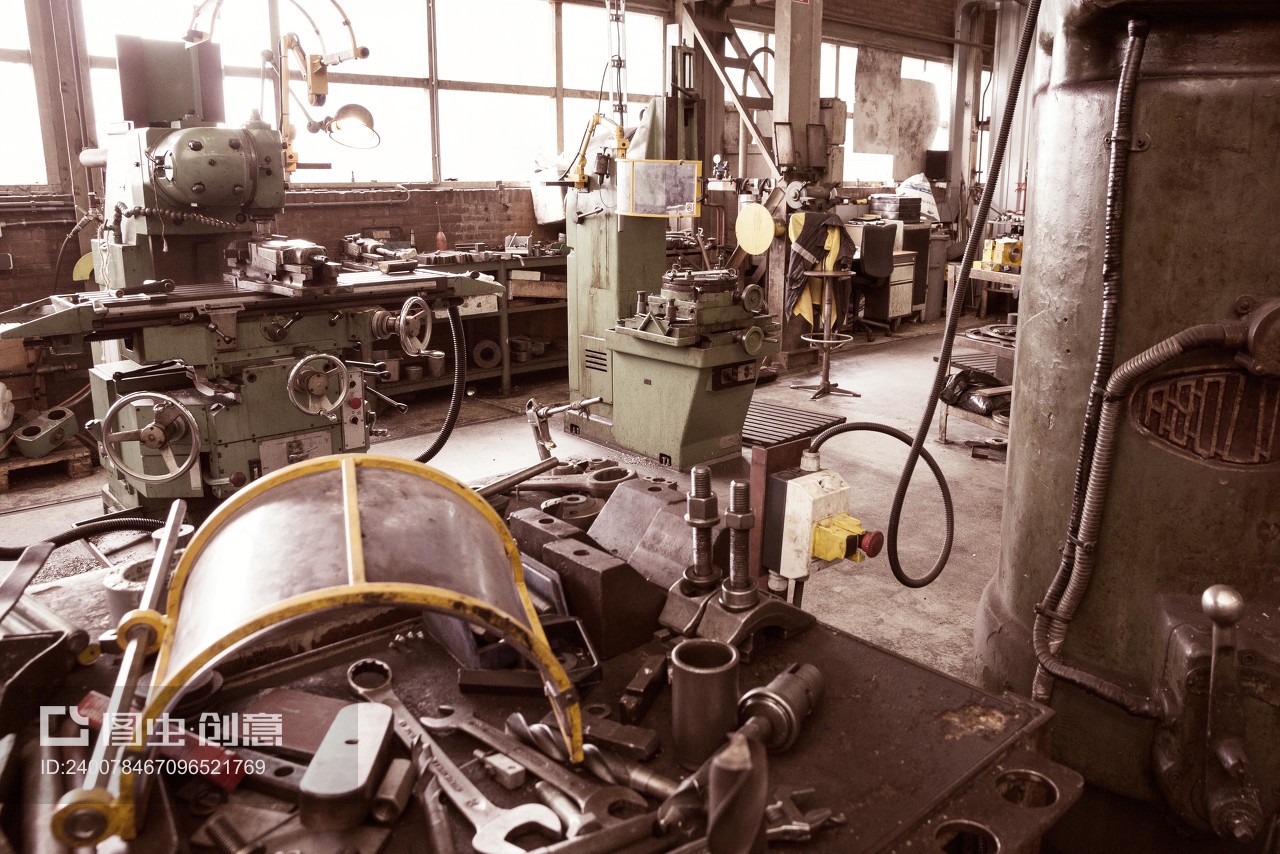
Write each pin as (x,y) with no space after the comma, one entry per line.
(400,117)
(495,41)
(394,31)
(151,19)
(586,40)
(14,33)
(104,86)
(23,161)
(486,136)
(827,72)
(754,40)
(848,75)
(939,74)
(861,167)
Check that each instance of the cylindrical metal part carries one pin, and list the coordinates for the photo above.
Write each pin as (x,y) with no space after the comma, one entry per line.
(785,703)
(704,698)
(124,585)
(701,516)
(737,796)
(516,478)
(642,302)
(393,792)
(738,592)
(1204,105)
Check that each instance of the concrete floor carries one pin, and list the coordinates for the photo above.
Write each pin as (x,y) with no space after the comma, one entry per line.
(933,625)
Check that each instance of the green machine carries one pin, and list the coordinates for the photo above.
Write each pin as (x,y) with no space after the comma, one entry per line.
(672,353)
(222,352)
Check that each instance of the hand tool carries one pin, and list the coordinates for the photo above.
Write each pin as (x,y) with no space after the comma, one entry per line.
(604,765)
(771,714)
(590,797)
(575,823)
(370,679)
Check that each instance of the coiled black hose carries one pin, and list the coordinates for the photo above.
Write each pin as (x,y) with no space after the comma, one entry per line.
(1121,131)
(948,509)
(92,529)
(459,386)
(957,305)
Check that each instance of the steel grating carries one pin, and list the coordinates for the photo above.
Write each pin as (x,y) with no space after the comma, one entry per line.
(770,424)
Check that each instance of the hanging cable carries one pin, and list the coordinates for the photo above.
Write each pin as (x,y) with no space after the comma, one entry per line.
(459,386)
(957,305)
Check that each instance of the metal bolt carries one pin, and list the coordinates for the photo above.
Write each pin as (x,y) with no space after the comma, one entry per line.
(234,143)
(197,187)
(738,593)
(195,145)
(227,839)
(701,516)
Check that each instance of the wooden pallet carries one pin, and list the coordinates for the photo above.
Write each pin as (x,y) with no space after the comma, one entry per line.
(74,457)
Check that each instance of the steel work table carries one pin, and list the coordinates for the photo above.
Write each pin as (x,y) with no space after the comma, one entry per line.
(911,757)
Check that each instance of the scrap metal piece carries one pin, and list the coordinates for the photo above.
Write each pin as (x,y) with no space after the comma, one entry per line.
(509,773)
(643,689)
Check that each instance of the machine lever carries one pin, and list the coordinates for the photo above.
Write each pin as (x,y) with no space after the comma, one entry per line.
(373,392)
(1230,791)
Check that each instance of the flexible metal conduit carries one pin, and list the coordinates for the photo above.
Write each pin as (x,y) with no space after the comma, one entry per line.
(91,529)
(1121,133)
(1227,334)
(459,386)
(957,305)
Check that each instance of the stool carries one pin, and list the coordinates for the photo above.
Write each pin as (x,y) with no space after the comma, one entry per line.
(829,339)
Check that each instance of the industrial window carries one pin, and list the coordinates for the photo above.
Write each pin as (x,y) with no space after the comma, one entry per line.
(495,41)
(24,158)
(242,30)
(939,74)
(491,135)
(838,72)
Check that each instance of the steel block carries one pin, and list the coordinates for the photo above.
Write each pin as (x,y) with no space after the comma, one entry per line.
(617,606)
(45,432)
(533,530)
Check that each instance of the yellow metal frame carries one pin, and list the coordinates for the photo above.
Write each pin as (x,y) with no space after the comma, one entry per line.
(167,683)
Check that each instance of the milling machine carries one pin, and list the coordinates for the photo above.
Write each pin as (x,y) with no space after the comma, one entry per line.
(675,369)
(222,352)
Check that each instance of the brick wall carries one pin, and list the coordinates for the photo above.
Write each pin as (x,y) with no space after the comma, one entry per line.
(467,215)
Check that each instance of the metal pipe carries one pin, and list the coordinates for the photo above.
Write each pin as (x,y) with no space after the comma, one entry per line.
(86,824)
(408,194)
(516,478)
(704,698)
(31,223)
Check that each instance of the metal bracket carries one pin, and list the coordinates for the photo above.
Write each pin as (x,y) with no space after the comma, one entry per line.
(222,323)
(1137,142)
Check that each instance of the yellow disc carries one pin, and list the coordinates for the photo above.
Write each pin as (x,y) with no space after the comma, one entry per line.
(755,228)
(83,268)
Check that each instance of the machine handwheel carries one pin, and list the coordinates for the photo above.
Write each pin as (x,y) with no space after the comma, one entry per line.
(170,422)
(306,378)
(414,326)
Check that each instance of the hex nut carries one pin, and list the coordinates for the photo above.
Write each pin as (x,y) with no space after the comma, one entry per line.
(702,510)
(739,521)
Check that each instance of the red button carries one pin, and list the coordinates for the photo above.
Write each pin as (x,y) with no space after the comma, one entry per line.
(355,403)
(872,542)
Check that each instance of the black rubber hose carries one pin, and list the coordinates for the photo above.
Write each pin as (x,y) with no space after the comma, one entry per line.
(66,241)
(1121,130)
(459,386)
(92,529)
(948,509)
(957,305)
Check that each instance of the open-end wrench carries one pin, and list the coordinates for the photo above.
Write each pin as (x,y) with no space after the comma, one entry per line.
(601,483)
(591,798)
(370,679)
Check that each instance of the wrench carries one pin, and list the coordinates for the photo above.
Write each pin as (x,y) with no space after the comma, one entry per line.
(591,798)
(370,679)
(601,483)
